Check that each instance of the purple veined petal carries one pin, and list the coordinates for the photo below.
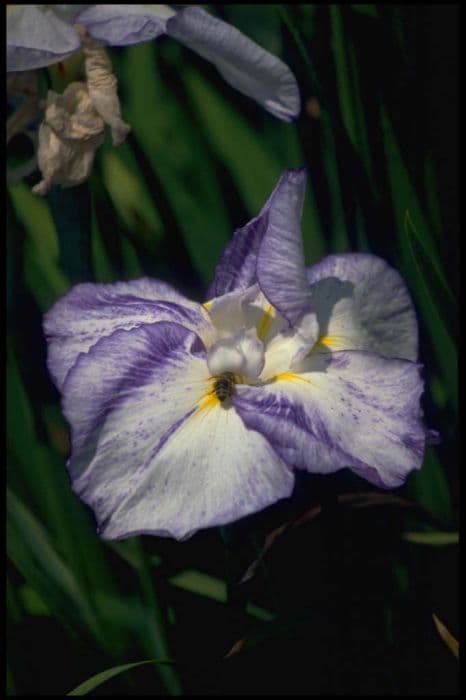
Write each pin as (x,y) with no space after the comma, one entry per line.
(91,311)
(37,37)
(245,65)
(363,304)
(122,25)
(344,409)
(269,250)
(152,451)
(236,269)
(280,268)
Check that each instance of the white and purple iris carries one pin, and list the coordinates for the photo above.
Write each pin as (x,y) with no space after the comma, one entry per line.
(40,35)
(187,415)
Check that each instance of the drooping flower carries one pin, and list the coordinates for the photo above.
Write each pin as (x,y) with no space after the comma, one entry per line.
(40,35)
(187,415)
(74,122)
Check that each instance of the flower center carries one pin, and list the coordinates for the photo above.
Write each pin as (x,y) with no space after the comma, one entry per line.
(241,353)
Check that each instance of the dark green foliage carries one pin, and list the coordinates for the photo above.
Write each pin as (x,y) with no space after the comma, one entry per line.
(342,604)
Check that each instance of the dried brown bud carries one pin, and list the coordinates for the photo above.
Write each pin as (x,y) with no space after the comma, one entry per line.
(74,123)
(102,85)
(68,138)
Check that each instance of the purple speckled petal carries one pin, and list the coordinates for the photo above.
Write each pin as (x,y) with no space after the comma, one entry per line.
(269,250)
(280,269)
(344,409)
(245,65)
(121,25)
(37,37)
(150,453)
(91,311)
(363,304)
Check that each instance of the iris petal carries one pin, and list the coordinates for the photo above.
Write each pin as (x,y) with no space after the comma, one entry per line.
(37,37)
(245,65)
(280,266)
(362,303)
(89,312)
(122,25)
(344,409)
(269,250)
(152,452)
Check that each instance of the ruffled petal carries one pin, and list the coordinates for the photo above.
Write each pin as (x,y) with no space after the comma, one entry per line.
(89,312)
(269,250)
(121,25)
(245,65)
(362,303)
(37,37)
(344,409)
(152,450)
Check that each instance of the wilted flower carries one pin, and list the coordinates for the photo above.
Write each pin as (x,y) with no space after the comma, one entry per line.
(40,35)
(74,123)
(187,415)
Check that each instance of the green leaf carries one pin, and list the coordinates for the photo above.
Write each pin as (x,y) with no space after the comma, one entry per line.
(71,211)
(198,582)
(419,277)
(154,639)
(339,236)
(253,167)
(41,271)
(369,9)
(129,194)
(435,539)
(202,584)
(426,259)
(32,552)
(92,683)
(345,94)
(429,487)
(101,264)
(60,519)
(430,181)
(191,190)
(31,601)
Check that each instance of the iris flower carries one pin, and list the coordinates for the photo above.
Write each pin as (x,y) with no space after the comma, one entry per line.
(40,35)
(186,415)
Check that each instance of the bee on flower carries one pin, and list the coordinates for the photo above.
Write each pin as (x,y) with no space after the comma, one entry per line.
(186,415)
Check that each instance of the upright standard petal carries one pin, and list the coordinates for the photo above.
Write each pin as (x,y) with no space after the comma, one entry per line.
(37,37)
(269,250)
(152,450)
(280,268)
(245,65)
(89,312)
(362,303)
(343,409)
(122,25)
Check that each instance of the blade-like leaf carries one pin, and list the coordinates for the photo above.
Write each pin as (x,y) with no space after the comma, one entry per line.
(419,279)
(95,681)
(192,192)
(42,274)
(435,539)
